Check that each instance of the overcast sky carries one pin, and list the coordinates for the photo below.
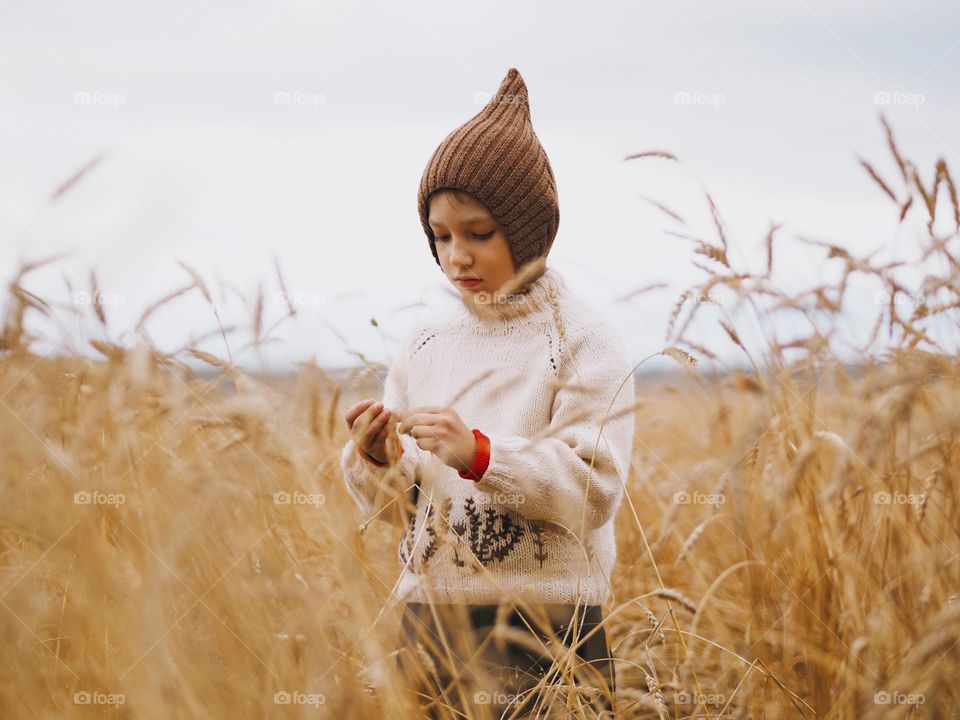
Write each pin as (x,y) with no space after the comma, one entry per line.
(229,135)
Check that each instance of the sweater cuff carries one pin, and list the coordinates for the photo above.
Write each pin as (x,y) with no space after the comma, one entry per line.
(480,460)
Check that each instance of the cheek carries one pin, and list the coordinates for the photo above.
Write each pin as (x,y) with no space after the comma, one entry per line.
(442,254)
(503,248)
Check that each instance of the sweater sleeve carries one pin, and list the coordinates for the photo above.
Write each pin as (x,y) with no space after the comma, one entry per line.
(370,486)
(558,477)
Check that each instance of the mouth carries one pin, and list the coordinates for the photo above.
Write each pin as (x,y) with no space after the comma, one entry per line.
(467,281)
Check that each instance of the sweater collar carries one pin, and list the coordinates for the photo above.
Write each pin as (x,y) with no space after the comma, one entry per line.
(532,298)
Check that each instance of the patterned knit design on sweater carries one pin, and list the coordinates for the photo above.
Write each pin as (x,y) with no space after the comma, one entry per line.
(537,379)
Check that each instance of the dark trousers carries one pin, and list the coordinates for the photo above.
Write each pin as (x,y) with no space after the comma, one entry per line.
(459,662)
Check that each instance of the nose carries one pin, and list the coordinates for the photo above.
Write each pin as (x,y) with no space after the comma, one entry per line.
(459,252)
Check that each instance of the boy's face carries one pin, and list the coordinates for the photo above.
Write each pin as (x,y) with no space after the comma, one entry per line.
(470,243)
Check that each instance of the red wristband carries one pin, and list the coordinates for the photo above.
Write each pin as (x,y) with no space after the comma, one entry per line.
(369,458)
(482,459)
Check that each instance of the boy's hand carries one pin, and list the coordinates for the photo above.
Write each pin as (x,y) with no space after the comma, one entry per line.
(440,430)
(369,426)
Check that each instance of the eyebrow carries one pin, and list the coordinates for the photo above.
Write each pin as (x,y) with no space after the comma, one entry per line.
(475,218)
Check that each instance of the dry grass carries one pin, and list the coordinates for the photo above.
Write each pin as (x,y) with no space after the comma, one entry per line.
(789,544)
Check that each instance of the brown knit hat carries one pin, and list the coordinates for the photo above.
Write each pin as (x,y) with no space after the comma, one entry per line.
(497,157)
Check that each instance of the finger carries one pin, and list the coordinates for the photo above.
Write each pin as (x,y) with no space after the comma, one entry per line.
(423,431)
(380,440)
(427,444)
(422,418)
(376,445)
(362,423)
(359,407)
(381,421)
(373,419)
(355,410)
(373,410)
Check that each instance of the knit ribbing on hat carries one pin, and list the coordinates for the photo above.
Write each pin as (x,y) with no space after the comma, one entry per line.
(497,157)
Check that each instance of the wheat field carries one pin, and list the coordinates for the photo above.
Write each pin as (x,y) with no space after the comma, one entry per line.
(180,544)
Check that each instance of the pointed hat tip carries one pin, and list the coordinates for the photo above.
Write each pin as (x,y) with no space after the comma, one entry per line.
(513,88)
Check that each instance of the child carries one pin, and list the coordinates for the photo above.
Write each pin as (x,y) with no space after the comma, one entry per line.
(515,433)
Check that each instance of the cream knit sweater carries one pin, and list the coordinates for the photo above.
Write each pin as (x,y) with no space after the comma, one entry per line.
(538,378)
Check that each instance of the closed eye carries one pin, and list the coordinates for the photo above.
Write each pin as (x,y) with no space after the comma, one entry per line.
(484,236)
